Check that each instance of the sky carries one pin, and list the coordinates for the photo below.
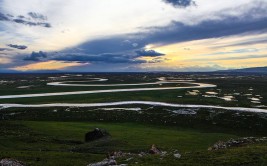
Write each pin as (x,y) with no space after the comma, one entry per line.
(132,36)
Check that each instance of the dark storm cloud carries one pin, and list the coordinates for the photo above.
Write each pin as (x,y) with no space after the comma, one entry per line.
(111,45)
(177,32)
(101,58)
(23,20)
(37,16)
(31,23)
(3,17)
(151,53)
(36,56)
(181,3)
(251,21)
(20,47)
(119,49)
(80,55)
(129,57)
(174,33)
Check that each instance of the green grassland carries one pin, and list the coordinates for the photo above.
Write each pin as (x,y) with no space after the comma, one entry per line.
(227,86)
(61,143)
(55,136)
(44,136)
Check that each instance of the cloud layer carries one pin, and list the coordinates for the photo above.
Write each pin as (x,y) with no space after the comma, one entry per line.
(20,47)
(133,35)
(181,3)
(34,20)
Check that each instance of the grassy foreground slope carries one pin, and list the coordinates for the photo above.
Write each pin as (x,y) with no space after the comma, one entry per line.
(61,143)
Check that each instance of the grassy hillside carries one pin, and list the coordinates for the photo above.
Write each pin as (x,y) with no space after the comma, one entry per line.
(61,143)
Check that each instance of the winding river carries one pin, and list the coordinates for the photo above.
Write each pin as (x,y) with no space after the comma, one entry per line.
(242,109)
(195,85)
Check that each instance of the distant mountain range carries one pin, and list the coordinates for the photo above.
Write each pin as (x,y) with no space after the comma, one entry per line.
(248,70)
(33,72)
(260,70)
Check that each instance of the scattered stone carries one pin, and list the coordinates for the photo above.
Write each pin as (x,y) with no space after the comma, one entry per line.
(164,153)
(111,159)
(154,150)
(96,134)
(177,155)
(129,159)
(113,156)
(105,162)
(142,154)
(10,162)
(236,142)
(118,154)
